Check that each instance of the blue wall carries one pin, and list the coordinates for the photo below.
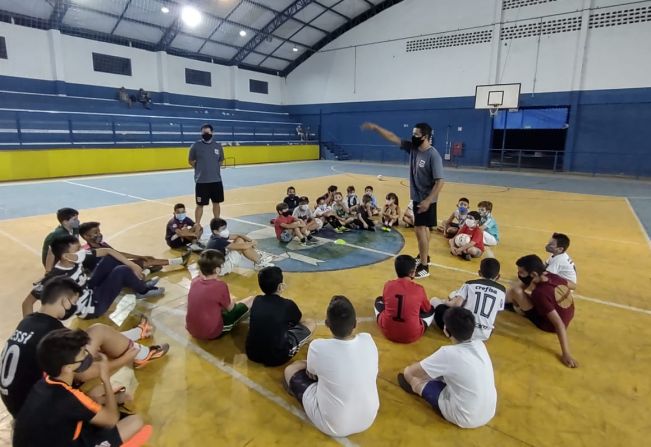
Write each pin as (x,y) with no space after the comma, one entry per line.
(609,130)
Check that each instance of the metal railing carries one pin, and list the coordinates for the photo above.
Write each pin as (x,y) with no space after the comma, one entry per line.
(527,159)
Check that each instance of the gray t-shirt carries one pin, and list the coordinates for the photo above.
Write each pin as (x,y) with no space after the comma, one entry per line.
(208,157)
(426,168)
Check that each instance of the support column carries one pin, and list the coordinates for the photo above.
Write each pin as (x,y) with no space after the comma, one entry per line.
(163,76)
(56,62)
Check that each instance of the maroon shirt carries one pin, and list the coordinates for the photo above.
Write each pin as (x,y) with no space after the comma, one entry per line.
(207,299)
(553,295)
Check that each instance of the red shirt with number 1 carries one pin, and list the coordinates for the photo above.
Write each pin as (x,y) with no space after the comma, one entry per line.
(403,302)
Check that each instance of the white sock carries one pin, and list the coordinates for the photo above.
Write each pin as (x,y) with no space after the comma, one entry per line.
(142,353)
(176,261)
(133,334)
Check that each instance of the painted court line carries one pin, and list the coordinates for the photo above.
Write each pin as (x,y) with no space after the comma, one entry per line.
(393,255)
(639,222)
(21,243)
(220,365)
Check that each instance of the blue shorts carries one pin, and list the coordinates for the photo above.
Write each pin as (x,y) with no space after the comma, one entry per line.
(431,393)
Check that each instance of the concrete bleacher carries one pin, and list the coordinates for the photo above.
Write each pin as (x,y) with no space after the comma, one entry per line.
(38,119)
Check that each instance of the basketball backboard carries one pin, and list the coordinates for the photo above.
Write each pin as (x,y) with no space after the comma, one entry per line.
(497,96)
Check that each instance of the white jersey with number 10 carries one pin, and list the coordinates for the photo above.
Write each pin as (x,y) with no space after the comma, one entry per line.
(484,298)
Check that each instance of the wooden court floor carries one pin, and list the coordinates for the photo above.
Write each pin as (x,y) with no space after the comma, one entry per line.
(207,394)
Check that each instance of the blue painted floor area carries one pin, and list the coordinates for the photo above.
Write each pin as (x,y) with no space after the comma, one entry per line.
(43,197)
(323,255)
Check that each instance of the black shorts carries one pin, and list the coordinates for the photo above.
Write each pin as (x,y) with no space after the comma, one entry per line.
(426,219)
(541,322)
(439,311)
(209,192)
(93,436)
(299,383)
(297,336)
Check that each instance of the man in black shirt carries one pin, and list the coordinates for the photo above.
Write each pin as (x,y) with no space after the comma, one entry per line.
(59,298)
(57,414)
(276,329)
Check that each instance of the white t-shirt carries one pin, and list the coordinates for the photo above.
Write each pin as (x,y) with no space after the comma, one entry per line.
(345,399)
(563,266)
(484,298)
(470,398)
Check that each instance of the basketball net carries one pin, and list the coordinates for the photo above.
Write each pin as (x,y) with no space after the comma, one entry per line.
(492,111)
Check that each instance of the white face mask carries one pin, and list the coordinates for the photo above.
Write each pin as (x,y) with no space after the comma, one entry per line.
(81,255)
(471,223)
(323,207)
(224,233)
(303,207)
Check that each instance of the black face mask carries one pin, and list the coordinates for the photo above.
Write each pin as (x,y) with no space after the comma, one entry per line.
(416,141)
(526,280)
(85,363)
(69,312)
(206,136)
(286,213)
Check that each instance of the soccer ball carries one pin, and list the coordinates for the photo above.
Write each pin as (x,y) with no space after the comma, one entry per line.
(379,177)
(461,239)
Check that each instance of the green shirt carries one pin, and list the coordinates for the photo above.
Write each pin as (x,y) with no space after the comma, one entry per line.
(58,232)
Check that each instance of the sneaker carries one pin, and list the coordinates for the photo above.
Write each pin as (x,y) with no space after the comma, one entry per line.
(422,271)
(155,269)
(260,265)
(151,284)
(345,230)
(312,241)
(466,257)
(186,257)
(402,381)
(197,246)
(339,230)
(151,293)
(155,352)
(417,258)
(146,328)
(303,242)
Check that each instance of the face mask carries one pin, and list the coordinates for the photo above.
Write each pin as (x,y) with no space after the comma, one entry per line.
(286,213)
(323,207)
(550,249)
(181,216)
(74,223)
(303,207)
(471,223)
(98,239)
(69,313)
(85,363)
(81,255)
(224,233)
(416,141)
(389,201)
(483,213)
(526,280)
(206,136)
(463,210)
(291,194)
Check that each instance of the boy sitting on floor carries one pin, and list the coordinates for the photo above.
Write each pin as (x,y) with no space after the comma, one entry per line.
(291,199)
(91,233)
(182,232)
(276,329)
(403,311)
(337,384)
(475,247)
(451,225)
(68,225)
(287,226)
(484,297)
(233,247)
(57,414)
(457,380)
(211,310)
(487,223)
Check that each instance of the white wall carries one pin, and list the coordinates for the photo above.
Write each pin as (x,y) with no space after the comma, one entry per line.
(50,55)
(28,52)
(370,62)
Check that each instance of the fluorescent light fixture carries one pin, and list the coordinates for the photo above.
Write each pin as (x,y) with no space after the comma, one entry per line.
(242,33)
(191,16)
(294,49)
(165,10)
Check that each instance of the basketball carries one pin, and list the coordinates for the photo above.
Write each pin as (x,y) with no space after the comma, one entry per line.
(461,239)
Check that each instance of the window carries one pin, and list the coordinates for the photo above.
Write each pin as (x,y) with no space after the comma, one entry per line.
(258,86)
(111,64)
(3,48)
(197,77)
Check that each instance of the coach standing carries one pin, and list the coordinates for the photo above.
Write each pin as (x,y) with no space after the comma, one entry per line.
(207,157)
(425,183)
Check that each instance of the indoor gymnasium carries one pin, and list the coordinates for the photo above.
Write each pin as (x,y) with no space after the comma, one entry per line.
(325,222)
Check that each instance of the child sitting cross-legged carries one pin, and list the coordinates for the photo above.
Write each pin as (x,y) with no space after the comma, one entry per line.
(474,247)
(211,310)
(287,226)
(451,225)
(390,212)
(304,213)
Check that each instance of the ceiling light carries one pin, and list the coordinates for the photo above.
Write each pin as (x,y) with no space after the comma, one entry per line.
(165,10)
(191,16)
(294,49)
(242,33)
